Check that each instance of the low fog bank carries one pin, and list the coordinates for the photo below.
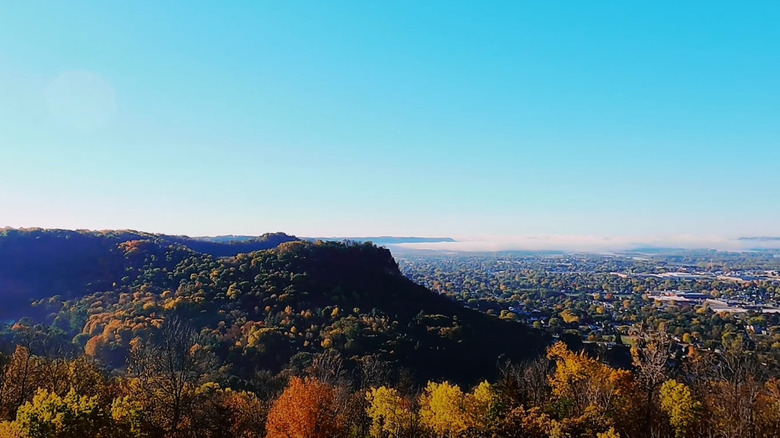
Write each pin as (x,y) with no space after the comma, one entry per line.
(493,243)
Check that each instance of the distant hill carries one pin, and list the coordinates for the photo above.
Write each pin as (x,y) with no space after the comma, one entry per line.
(387,240)
(227,238)
(263,310)
(760,239)
(226,248)
(380,240)
(40,263)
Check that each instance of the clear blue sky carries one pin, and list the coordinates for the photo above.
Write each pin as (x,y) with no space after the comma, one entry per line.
(393,117)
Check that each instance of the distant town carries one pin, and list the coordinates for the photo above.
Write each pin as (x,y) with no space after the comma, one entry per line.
(704,298)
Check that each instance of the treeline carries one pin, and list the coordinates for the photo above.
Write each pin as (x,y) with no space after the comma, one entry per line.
(173,387)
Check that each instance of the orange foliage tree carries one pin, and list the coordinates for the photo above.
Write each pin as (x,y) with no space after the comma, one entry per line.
(306,409)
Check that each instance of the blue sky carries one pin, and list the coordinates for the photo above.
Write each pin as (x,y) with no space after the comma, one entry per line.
(402,118)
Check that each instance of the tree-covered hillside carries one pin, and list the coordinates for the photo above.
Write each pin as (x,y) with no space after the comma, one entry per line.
(255,311)
(38,263)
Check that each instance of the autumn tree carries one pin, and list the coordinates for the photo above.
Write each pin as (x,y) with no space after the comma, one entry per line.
(306,409)
(391,415)
(374,372)
(483,406)
(21,380)
(650,356)
(587,392)
(768,409)
(246,414)
(327,367)
(569,317)
(525,383)
(225,413)
(166,371)
(520,422)
(73,416)
(735,392)
(87,378)
(443,409)
(10,429)
(129,418)
(609,433)
(678,403)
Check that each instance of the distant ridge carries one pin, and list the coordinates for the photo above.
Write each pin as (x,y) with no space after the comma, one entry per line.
(761,239)
(227,238)
(378,240)
(38,263)
(388,240)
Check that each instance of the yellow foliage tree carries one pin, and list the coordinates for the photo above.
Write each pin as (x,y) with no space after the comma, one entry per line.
(86,378)
(129,418)
(581,384)
(678,402)
(390,413)
(443,409)
(10,429)
(483,407)
(73,416)
(569,316)
(608,434)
